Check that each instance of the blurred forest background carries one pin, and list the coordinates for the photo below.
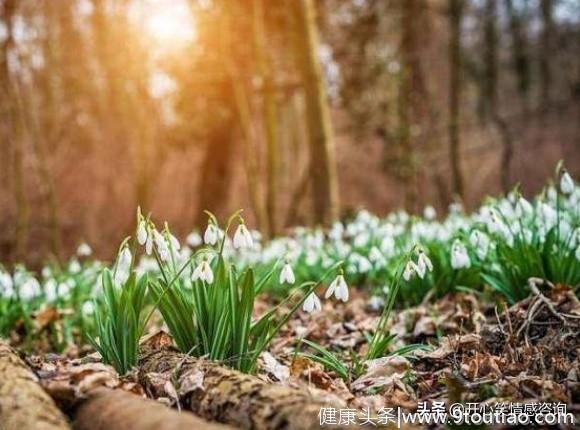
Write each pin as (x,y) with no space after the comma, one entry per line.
(299,111)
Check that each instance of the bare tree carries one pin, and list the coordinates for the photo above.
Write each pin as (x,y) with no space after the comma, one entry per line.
(455,18)
(545,52)
(519,41)
(321,143)
(270,113)
(11,101)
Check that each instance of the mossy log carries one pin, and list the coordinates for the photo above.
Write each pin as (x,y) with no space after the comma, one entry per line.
(107,409)
(24,405)
(222,394)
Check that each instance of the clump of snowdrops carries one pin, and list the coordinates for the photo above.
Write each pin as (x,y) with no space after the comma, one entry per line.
(379,344)
(119,313)
(208,302)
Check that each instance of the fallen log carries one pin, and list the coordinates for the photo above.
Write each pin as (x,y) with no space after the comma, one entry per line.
(222,394)
(24,405)
(108,409)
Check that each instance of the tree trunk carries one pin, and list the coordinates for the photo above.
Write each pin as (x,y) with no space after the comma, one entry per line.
(321,143)
(230,396)
(490,58)
(521,62)
(270,114)
(546,46)
(215,178)
(406,149)
(24,405)
(13,105)
(107,409)
(244,118)
(507,154)
(455,17)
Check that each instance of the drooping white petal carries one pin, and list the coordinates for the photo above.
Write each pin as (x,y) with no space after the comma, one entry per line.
(409,271)
(287,275)
(124,260)
(210,237)
(312,303)
(242,237)
(331,288)
(142,233)
(566,183)
(84,250)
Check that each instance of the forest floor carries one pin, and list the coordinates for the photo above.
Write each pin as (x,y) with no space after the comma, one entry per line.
(529,352)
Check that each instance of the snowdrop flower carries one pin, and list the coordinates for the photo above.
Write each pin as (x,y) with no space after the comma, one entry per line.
(409,271)
(312,303)
(203,272)
(364,265)
(124,260)
(50,290)
(5,281)
(423,264)
(84,250)
(523,208)
(455,208)
(29,289)
(243,237)
(429,213)
(480,242)
(88,308)
(578,253)
(161,245)
(194,239)
(377,258)
(287,275)
(123,266)
(339,288)
(142,233)
(74,266)
(149,244)
(388,246)
(210,237)
(459,256)
(566,183)
(6,285)
(173,242)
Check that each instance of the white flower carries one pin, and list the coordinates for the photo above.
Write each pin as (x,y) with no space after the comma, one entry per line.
(173,242)
(566,183)
(312,303)
(210,237)
(6,281)
(339,288)
(423,264)
(149,244)
(243,237)
(429,213)
(480,242)
(410,269)
(287,275)
(74,266)
(84,250)
(578,253)
(124,260)
(523,208)
(161,245)
(194,239)
(142,233)
(29,289)
(459,256)
(203,272)
(88,308)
